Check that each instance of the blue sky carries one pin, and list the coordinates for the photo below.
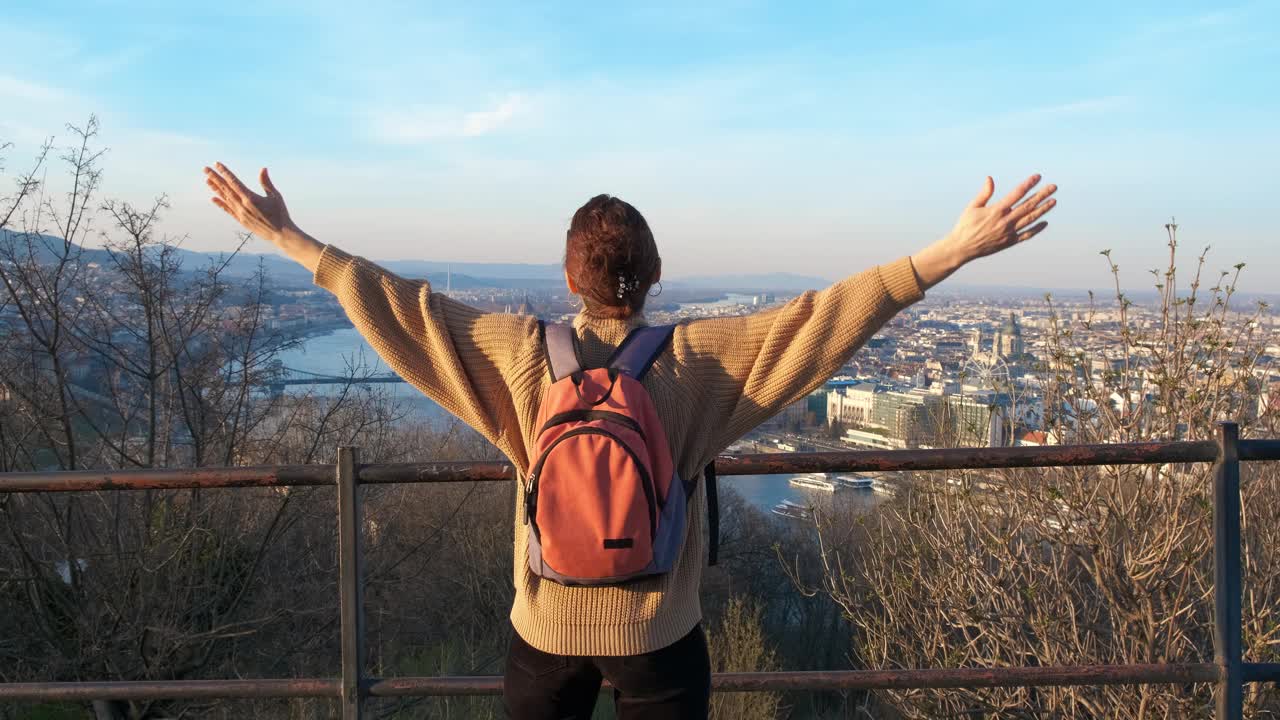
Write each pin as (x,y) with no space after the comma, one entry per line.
(803,137)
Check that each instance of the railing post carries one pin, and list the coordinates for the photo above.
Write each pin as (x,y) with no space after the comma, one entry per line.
(1227,624)
(350,583)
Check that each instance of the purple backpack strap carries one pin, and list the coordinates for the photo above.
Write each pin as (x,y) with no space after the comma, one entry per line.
(640,349)
(562,350)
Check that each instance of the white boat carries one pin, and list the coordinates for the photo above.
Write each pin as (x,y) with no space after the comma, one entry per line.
(794,510)
(884,487)
(815,481)
(855,482)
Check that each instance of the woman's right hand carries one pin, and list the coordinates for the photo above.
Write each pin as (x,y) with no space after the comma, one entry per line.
(986,229)
(263,215)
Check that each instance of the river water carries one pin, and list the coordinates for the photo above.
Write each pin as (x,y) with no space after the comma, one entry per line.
(337,352)
(342,351)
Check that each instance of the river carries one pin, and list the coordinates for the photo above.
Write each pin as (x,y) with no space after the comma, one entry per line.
(763,492)
(336,352)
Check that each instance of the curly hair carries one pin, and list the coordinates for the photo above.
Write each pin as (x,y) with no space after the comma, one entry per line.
(611,256)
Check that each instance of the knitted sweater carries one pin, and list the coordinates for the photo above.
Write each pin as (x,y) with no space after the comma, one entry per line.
(720,378)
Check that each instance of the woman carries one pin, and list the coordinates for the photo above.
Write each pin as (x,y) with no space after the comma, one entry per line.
(718,379)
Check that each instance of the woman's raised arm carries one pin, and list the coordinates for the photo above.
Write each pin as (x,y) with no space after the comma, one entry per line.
(464,359)
(767,360)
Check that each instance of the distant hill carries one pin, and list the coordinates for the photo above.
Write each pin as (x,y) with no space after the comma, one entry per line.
(756,282)
(47,248)
(532,276)
(465,275)
(496,271)
(529,274)
(457,281)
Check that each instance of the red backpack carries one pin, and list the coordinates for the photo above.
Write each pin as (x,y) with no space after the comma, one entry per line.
(603,501)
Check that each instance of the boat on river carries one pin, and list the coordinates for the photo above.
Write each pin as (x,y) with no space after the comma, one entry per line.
(855,482)
(815,481)
(884,487)
(793,510)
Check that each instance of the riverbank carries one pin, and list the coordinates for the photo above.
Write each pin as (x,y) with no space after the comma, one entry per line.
(311,330)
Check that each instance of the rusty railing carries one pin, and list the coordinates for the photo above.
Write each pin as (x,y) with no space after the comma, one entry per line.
(1228,671)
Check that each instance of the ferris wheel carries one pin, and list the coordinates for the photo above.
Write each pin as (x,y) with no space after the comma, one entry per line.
(988,371)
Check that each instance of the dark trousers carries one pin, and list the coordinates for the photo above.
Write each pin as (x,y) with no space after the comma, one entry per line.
(674,682)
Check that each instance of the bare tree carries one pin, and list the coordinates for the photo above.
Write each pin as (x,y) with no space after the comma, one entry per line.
(1101,565)
(41,274)
(122,357)
(739,644)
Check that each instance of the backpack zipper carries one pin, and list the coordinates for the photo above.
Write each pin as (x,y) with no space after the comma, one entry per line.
(589,415)
(646,483)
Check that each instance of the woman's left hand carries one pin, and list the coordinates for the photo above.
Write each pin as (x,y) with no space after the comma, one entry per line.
(985,229)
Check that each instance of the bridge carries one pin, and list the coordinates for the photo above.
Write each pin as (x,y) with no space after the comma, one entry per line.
(1228,669)
(293,376)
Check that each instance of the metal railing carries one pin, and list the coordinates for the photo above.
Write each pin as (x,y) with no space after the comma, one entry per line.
(1228,670)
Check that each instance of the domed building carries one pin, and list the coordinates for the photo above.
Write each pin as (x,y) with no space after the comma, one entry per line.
(1009,340)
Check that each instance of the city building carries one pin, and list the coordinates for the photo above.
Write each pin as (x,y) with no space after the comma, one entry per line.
(976,420)
(851,405)
(1009,340)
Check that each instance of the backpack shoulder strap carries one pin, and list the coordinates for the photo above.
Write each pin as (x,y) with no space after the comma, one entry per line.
(562,350)
(640,349)
(713,514)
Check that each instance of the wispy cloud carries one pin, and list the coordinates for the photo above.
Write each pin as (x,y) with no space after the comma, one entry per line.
(14,89)
(100,66)
(1217,18)
(421,124)
(1179,44)
(1038,116)
(166,139)
(1091,105)
(485,122)
(45,109)
(1075,108)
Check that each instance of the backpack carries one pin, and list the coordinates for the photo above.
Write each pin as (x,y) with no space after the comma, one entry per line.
(603,501)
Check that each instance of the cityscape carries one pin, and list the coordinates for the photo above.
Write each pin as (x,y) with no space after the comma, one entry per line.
(954,371)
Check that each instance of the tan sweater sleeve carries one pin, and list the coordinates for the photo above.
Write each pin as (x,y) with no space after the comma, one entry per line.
(753,366)
(458,356)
